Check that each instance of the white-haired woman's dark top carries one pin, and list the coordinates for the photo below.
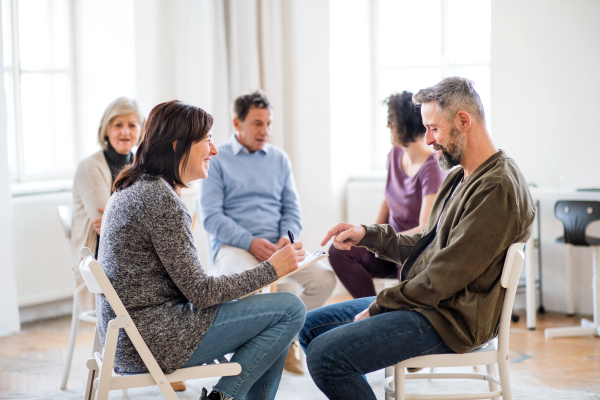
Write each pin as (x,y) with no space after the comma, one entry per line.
(148,253)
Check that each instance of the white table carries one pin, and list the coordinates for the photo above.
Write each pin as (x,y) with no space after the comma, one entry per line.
(554,258)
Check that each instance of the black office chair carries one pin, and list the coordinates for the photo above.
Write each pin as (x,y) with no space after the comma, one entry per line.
(576,216)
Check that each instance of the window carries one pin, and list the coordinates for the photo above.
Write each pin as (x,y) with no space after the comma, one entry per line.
(38,76)
(419,42)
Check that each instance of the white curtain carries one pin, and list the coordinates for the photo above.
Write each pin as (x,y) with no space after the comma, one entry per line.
(9,312)
(209,52)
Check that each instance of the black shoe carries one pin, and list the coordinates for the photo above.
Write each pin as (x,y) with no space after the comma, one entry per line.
(212,396)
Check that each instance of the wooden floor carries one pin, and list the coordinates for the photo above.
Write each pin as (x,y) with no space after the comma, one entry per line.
(31,362)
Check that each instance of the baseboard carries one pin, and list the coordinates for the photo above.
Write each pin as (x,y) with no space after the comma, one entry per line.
(52,309)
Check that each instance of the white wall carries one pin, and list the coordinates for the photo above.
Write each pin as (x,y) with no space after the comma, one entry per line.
(9,311)
(181,55)
(105,61)
(351,95)
(307,125)
(545,89)
(545,85)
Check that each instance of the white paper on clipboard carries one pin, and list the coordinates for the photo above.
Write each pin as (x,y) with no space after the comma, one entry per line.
(308,260)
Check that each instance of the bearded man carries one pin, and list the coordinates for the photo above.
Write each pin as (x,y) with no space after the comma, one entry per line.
(449,298)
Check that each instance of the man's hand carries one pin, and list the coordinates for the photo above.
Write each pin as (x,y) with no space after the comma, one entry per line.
(262,249)
(286,259)
(344,235)
(97,223)
(283,241)
(362,315)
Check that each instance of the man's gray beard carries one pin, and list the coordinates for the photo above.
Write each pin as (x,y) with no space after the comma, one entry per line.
(452,154)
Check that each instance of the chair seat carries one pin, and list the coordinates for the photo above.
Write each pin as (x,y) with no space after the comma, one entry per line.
(593,241)
(184,374)
(481,355)
(88,316)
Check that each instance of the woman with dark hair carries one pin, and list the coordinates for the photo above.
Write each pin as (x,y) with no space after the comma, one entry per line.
(414,178)
(147,250)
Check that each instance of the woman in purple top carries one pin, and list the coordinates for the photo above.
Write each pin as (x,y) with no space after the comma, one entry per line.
(414,178)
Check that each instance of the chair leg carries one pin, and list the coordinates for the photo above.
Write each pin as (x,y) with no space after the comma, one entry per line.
(530,284)
(108,358)
(491,370)
(431,371)
(389,371)
(596,285)
(504,379)
(71,349)
(570,301)
(399,382)
(90,390)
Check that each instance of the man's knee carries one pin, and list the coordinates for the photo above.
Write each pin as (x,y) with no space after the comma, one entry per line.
(324,352)
(313,320)
(337,257)
(329,281)
(317,280)
(231,259)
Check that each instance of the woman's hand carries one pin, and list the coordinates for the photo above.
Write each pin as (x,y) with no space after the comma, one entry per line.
(286,259)
(345,235)
(97,223)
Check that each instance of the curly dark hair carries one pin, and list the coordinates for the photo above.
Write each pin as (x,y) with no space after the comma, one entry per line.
(242,104)
(404,119)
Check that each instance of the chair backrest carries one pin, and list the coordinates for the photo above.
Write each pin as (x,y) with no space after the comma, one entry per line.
(65,214)
(576,215)
(509,280)
(86,272)
(97,282)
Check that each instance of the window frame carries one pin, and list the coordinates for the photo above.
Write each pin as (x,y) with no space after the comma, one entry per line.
(446,67)
(20,176)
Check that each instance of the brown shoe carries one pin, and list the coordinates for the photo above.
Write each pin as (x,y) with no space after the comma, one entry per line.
(293,364)
(413,369)
(178,386)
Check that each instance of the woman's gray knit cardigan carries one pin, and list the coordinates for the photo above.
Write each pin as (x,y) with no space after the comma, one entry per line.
(148,253)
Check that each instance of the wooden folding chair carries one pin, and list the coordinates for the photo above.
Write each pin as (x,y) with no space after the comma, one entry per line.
(493,354)
(102,376)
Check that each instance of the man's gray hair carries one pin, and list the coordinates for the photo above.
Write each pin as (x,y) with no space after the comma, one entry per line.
(453,94)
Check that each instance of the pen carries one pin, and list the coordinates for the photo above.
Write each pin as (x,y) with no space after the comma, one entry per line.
(291,236)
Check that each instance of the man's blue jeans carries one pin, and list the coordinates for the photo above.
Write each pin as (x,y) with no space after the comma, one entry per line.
(339,351)
(258,330)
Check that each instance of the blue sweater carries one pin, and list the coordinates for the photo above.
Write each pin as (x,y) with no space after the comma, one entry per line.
(249,195)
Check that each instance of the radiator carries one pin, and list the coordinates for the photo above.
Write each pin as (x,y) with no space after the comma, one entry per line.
(40,250)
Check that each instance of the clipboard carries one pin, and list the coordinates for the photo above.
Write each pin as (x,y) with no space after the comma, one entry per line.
(308,260)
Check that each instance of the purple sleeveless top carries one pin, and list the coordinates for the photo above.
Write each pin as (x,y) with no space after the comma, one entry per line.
(404,194)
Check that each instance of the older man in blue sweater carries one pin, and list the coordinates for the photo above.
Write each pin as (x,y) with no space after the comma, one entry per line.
(249,202)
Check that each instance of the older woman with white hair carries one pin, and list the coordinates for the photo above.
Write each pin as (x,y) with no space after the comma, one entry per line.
(120,129)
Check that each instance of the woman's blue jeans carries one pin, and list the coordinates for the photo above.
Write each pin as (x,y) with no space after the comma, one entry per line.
(258,330)
(340,351)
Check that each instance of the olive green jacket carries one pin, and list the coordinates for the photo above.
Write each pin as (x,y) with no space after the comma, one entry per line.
(455,282)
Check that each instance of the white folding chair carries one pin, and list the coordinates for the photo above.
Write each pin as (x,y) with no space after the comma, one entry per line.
(102,376)
(494,353)
(65,214)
